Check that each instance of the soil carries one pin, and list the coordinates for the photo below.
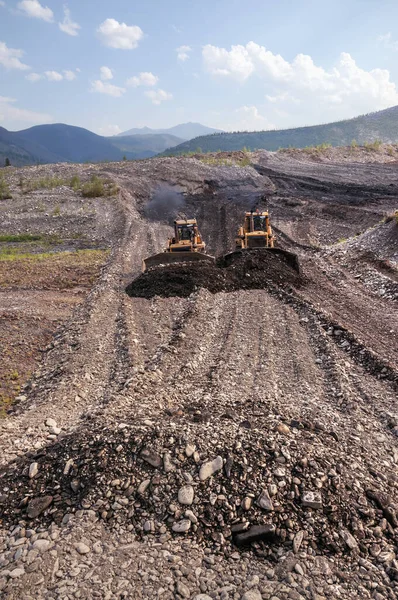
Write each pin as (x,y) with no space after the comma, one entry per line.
(240,398)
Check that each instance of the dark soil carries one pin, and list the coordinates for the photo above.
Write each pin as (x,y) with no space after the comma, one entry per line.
(256,269)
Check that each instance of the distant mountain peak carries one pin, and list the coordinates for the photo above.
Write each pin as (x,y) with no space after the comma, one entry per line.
(186,131)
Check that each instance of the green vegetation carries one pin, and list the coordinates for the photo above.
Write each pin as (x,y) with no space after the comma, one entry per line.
(5,193)
(21,237)
(44,183)
(382,125)
(12,254)
(57,211)
(75,183)
(221,161)
(97,188)
(373,146)
(7,162)
(354,144)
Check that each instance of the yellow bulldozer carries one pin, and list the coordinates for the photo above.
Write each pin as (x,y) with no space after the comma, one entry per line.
(256,235)
(186,246)
(255,232)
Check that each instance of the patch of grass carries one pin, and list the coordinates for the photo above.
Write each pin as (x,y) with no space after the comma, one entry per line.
(5,192)
(5,403)
(57,211)
(12,254)
(75,183)
(373,146)
(97,188)
(21,237)
(44,183)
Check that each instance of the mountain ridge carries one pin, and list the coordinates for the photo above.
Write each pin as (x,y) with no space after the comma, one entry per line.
(381,125)
(186,131)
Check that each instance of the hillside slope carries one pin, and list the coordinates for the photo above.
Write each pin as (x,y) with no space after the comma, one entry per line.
(144,145)
(382,125)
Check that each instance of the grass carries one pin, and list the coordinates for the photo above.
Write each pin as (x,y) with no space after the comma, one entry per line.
(22,237)
(373,146)
(97,188)
(12,254)
(5,193)
(44,183)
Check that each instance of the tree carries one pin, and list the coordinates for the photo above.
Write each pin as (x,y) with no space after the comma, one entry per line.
(7,163)
(124,158)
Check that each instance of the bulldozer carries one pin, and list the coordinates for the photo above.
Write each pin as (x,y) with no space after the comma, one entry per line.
(186,246)
(256,234)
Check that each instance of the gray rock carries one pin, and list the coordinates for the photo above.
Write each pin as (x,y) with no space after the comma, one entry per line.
(181,526)
(349,539)
(81,548)
(17,573)
(191,516)
(33,470)
(252,595)
(152,458)
(246,503)
(255,534)
(183,590)
(209,468)
(311,499)
(298,538)
(186,494)
(202,597)
(143,486)
(189,450)
(51,422)
(41,545)
(38,506)
(167,464)
(264,501)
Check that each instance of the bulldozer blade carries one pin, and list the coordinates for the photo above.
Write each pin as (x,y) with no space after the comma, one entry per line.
(165,259)
(290,257)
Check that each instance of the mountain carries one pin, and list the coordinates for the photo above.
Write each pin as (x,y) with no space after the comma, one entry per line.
(186,131)
(148,144)
(66,143)
(381,125)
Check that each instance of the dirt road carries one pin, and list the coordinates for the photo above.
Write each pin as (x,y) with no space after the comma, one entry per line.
(160,432)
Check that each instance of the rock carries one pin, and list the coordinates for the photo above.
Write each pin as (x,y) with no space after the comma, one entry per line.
(183,590)
(191,516)
(349,539)
(228,466)
(17,573)
(181,526)
(209,468)
(252,595)
(264,501)
(33,470)
(41,545)
(298,538)
(151,458)
(68,466)
(167,464)
(202,597)
(255,534)
(143,486)
(38,506)
(51,423)
(283,429)
(246,503)
(189,450)
(311,499)
(186,494)
(149,526)
(81,548)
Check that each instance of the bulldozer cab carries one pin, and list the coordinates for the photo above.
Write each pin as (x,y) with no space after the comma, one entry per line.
(184,231)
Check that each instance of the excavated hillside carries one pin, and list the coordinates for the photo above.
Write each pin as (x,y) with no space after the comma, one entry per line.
(218,432)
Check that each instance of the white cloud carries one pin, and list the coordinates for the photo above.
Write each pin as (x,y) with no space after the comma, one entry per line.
(53,76)
(68,26)
(344,91)
(12,116)
(9,58)
(119,35)
(183,52)
(106,73)
(101,87)
(250,119)
(388,41)
(33,77)
(69,75)
(109,130)
(158,96)
(146,79)
(33,8)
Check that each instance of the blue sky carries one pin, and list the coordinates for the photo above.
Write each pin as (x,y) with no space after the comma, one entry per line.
(258,64)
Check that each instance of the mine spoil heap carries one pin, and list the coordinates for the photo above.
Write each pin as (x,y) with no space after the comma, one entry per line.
(221,431)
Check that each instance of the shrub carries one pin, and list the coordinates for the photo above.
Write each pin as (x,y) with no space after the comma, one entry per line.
(354,144)
(75,183)
(97,188)
(5,192)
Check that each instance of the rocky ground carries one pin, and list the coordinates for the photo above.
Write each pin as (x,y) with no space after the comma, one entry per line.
(228,432)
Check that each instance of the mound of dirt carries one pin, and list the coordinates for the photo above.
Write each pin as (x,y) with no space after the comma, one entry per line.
(257,269)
